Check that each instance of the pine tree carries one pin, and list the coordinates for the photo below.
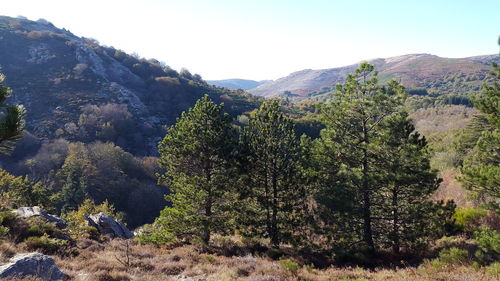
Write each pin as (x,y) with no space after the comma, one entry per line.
(404,217)
(196,154)
(276,193)
(481,168)
(349,147)
(11,120)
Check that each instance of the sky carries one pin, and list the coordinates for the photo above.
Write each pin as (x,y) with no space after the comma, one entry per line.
(268,39)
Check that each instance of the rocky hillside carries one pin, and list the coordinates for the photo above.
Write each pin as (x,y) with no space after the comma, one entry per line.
(68,83)
(429,74)
(235,84)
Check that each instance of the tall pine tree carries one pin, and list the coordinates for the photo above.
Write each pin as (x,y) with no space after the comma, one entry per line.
(481,168)
(276,194)
(196,154)
(404,219)
(350,147)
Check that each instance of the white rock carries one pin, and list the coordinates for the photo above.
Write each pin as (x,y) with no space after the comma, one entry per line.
(32,264)
(108,226)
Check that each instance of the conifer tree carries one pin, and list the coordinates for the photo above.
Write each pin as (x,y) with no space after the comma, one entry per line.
(196,154)
(276,193)
(404,217)
(350,147)
(11,120)
(481,168)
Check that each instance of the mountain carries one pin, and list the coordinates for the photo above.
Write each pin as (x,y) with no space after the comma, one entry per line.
(435,75)
(68,84)
(235,84)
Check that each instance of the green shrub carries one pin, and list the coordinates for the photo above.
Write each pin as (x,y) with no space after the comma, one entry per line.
(77,220)
(45,244)
(454,256)
(436,264)
(468,220)
(8,218)
(39,227)
(488,242)
(274,253)
(494,269)
(209,259)
(290,266)
(3,229)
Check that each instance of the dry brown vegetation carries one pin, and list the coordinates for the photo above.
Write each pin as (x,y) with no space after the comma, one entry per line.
(109,262)
(441,119)
(451,189)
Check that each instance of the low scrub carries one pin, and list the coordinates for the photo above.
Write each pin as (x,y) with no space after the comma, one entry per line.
(46,245)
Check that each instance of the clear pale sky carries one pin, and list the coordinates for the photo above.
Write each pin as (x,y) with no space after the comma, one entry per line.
(261,39)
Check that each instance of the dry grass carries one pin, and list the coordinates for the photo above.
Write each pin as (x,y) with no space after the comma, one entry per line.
(98,262)
(451,189)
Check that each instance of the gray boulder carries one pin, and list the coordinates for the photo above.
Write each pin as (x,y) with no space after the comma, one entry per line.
(109,226)
(27,212)
(32,264)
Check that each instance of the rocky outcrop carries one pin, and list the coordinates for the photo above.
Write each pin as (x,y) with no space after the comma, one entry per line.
(27,212)
(106,225)
(32,264)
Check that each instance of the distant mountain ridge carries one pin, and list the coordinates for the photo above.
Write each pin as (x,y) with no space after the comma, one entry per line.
(430,72)
(235,84)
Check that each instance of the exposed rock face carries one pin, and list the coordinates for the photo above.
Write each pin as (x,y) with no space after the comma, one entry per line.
(27,212)
(32,264)
(108,226)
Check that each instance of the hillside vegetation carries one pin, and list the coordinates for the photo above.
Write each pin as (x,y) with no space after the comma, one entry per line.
(220,185)
(430,79)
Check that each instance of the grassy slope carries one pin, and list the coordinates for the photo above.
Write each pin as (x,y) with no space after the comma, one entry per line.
(109,262)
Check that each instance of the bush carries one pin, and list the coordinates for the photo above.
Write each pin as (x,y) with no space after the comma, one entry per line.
(468,220)
(20,191)
(8,218)
(45,244)
(113,276)
(494,269)
(290,266)
(274,253)
(488,242)
(39,227)
(454,256)
(3,229)
(77,220)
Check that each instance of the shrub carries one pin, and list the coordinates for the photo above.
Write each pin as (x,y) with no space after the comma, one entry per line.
(112,276)
(45,244)
(20,191)
(290,266)
(3,229)
(454,256)
(210,259)
(468,220)
(488,242)
(8,218)
(494,269)
(172,268)
(77,220)
(39,227)
(274,253)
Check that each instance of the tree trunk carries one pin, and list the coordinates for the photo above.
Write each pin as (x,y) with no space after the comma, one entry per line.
(206,224)
(395,222)
(208,205)
(367,216)
(274,235)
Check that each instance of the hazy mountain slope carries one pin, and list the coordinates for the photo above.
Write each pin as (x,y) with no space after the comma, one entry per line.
(435,74)
(235,84)
(54,74)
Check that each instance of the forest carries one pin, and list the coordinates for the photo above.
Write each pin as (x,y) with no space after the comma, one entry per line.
(314,188)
